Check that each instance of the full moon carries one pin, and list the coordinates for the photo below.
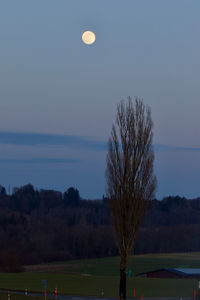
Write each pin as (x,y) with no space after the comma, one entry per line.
(88,37)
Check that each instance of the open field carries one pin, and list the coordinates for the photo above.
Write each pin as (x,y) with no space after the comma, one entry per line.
(94,276)
(94,285)
(110,266)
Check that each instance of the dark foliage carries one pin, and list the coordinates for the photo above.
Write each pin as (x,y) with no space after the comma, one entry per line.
(41,226)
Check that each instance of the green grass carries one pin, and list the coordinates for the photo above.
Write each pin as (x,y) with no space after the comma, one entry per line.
(94,285)
(110,266)
(91,277)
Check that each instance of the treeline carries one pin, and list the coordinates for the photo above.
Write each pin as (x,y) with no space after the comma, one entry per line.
(47,225)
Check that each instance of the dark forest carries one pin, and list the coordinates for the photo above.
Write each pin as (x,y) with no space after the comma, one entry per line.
(47,225)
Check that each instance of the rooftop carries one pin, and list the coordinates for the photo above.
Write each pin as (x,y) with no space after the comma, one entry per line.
(189,271)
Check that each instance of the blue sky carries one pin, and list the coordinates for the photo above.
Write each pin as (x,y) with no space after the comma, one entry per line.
(58,96)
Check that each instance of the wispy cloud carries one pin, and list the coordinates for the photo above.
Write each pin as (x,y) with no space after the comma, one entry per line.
(36,139)
(72,141)
(41,161)
(166,148)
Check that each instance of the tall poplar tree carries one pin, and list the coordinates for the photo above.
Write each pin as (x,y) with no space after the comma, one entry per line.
(130,178)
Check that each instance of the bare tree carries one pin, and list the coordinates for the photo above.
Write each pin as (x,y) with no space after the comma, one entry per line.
(130,178)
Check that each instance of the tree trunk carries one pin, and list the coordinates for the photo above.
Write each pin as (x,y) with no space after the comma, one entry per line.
(122,286)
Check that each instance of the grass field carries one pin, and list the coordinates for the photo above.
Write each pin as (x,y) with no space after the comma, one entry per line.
(94,276)
(110,266)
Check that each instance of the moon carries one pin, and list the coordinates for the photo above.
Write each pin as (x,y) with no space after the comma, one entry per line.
(88,37)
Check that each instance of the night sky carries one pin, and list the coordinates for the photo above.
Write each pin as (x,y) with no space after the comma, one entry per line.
(58,96)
